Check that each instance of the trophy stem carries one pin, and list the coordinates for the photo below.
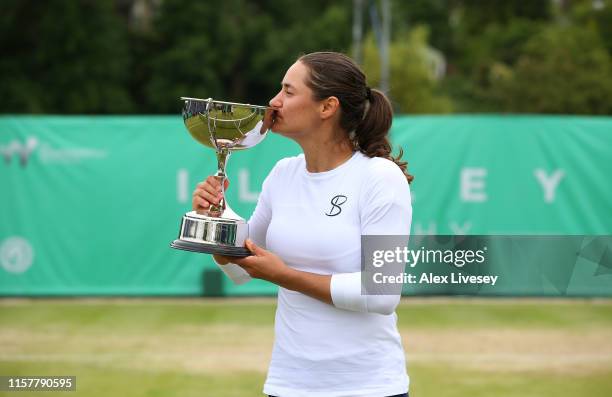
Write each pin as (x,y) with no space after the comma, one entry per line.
(223,155)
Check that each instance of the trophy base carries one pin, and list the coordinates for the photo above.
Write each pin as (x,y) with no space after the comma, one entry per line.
(224,235)
(238,252)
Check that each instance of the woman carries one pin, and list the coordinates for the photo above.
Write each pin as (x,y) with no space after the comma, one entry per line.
(305,234)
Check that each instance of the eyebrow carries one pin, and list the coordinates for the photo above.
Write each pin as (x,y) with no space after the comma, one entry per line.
(287,85)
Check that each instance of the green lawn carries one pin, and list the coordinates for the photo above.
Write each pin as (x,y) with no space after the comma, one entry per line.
(197,347)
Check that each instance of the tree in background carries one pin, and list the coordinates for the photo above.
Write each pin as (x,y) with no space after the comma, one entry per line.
(237,50)
(437,15)
(63,56)
(413,86)
(595,15)
(496,47)
(485,34)
(564,70)
(139,56)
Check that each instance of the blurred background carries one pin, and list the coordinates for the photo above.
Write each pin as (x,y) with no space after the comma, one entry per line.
(440,56)
(502,109)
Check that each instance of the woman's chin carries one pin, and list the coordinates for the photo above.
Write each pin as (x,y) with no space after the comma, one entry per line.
(277,129)
(284,130)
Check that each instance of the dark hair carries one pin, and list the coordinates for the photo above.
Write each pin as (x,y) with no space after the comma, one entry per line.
(366,114)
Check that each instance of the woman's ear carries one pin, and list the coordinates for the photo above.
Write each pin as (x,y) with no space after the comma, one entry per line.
(329,107)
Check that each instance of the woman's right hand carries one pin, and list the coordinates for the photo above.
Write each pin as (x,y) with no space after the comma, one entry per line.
(206,193)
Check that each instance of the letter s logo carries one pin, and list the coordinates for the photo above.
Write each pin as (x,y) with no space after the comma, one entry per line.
(336,202)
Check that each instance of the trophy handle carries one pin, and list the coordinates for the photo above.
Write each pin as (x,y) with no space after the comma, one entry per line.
(223,155)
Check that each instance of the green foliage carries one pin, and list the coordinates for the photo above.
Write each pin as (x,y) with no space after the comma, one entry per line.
(413,83)
(598,18)
(496,46)
(236,50)
(561,70)
(498,43)
(63,56)
(485,35)
(477,14)
(435,14)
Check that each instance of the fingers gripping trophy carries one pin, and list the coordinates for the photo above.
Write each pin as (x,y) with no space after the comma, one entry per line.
(225,127)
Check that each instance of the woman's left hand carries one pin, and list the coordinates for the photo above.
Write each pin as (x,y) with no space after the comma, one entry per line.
(262,264)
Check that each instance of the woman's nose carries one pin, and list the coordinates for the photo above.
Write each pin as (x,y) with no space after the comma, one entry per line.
(276,102)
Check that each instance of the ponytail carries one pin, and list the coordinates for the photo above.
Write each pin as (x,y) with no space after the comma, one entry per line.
(366,114)
(371,135)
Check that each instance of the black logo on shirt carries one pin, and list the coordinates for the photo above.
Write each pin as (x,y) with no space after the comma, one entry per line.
(336,202)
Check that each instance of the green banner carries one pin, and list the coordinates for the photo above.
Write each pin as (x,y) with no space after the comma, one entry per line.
(90,204)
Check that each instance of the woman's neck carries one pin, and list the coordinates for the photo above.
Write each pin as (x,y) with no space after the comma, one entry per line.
(325,156)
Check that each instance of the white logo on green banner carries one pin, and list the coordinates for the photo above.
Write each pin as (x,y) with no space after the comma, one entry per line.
(23,150)
(16,254)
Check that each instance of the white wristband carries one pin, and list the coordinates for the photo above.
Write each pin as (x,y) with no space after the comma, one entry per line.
(237,274)
(345,291)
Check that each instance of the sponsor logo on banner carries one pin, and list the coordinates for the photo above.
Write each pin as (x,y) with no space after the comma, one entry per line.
(16,254)
(46,153)
(23,150)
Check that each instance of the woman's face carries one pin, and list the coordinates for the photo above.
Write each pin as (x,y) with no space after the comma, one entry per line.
(296,111)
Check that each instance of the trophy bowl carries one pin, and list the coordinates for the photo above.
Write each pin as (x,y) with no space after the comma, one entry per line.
(224,127)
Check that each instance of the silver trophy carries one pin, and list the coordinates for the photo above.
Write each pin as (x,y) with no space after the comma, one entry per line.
(225,127)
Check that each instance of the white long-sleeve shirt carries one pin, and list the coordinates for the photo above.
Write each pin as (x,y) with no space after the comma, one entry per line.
(314,222)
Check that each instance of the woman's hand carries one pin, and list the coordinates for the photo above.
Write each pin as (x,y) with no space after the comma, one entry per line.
(267,266)
(268,120)
(207,193)
(261,264)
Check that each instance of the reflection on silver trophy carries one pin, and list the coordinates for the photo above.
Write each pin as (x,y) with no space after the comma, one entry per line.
(225,127)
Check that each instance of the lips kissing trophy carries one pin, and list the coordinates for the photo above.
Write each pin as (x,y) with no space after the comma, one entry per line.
(225,127)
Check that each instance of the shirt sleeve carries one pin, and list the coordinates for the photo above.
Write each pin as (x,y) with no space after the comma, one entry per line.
(260,219)
(385,209)
(385,203)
